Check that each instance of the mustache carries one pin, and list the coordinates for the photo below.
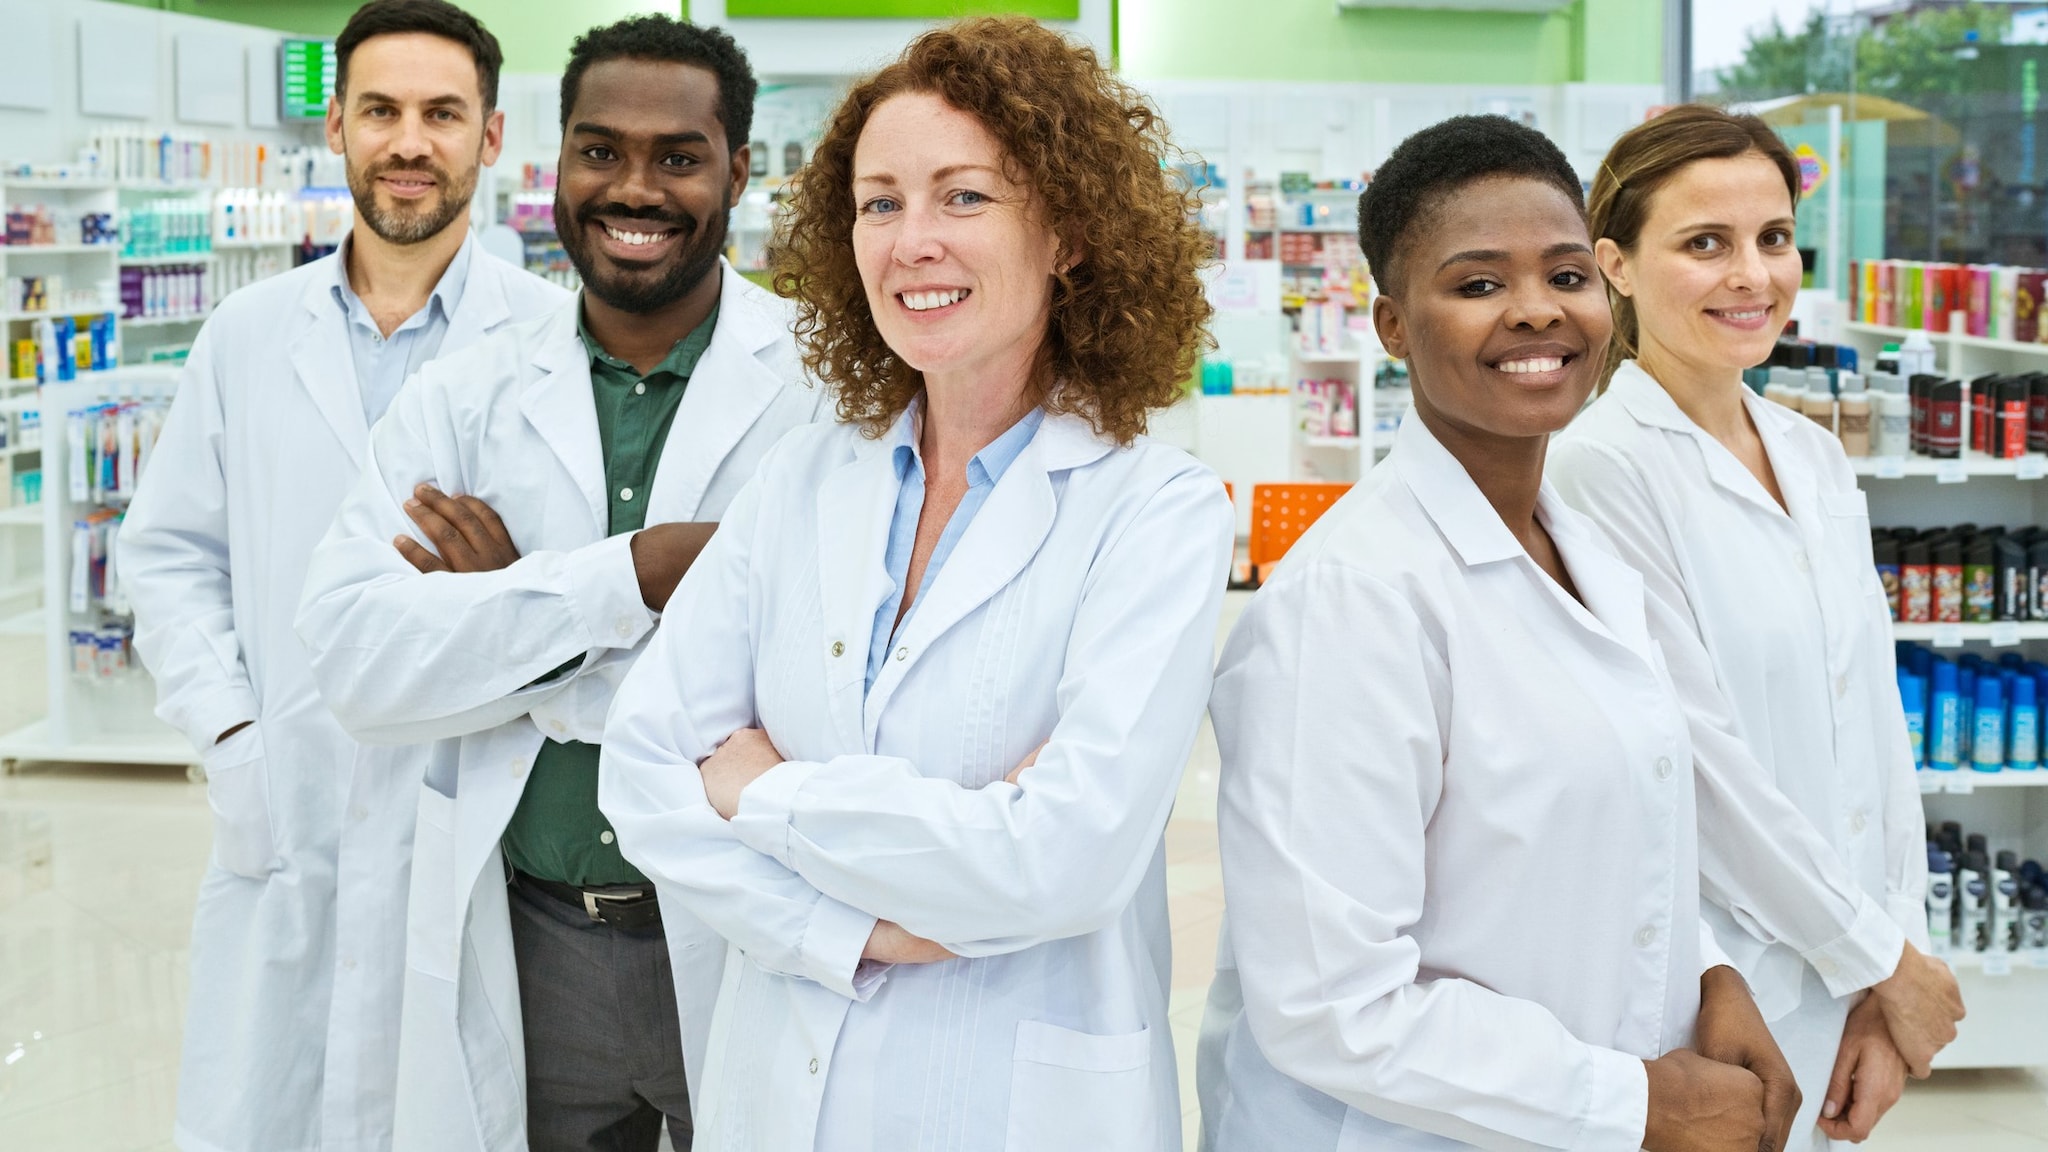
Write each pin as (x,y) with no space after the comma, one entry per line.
(422,166)
(682,221)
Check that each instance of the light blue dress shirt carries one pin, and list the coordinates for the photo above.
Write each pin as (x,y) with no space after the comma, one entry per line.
(383,362)
(983,471)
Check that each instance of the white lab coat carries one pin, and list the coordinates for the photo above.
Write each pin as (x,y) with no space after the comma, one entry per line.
(298,943)
(1458,836)
(455,658)
(1079,612)
(1792,616)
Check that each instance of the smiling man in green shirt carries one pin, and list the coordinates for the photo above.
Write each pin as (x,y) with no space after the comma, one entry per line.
(530,509)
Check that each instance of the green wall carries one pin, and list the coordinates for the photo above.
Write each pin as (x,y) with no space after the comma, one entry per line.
(1597,41)
(1601,41)
(535,34)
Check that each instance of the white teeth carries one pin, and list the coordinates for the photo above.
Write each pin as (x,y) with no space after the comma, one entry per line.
(1752,314)
(634,238)
(1536,364)
(926,301)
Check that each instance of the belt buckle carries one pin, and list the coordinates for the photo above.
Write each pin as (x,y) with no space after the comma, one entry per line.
(590,902)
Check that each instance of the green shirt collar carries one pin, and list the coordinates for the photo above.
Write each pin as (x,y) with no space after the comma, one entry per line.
(681,359)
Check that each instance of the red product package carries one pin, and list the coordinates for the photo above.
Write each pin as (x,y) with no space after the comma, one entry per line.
(1938,295)
(2026,307)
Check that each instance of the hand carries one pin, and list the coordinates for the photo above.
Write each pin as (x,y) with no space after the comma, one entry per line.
(745,757)
(1731,1030)
(1028,761)
(468,534)
(1921,1005)
(1868,1079)
(1702,1105)
(662,553)
(223,737)
(890,944)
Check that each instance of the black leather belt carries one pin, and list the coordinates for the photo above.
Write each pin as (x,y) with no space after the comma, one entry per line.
(628,907)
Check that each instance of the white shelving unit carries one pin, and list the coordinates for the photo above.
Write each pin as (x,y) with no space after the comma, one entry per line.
(2007,993)
(1342,459)
(88,721)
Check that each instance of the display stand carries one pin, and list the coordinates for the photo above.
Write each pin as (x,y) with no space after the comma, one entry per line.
(2006,993)
(108,720)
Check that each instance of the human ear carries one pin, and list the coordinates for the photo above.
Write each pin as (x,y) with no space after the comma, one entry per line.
(1391,325)
(1613,264)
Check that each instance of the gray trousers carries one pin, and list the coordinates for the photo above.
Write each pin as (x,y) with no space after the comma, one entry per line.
(604,1050)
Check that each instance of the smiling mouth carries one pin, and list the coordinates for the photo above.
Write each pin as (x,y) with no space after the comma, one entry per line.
(929,301)
(1532,365)
(1739,316)
(636,239)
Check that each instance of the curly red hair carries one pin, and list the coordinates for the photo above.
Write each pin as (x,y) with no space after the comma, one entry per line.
(1127,318)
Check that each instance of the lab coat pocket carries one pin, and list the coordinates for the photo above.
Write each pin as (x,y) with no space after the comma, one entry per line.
(1848,526)
(1074,1090)
(432,929)
(238,791)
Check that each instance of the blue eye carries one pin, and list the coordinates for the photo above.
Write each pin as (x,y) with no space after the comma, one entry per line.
(877,205)
(969,197)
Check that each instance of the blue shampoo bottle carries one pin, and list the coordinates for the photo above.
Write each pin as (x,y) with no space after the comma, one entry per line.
(1944,718)
(2025,730)
(1913,694)
(1987,737)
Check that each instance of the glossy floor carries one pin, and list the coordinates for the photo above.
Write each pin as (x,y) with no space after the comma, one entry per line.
(98,869)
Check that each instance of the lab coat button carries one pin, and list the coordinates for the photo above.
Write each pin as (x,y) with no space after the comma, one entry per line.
(640,389)
(1663,767)
(1857,822)
(838,648)
(1800,562)
(606,837)
(1841,686)
(814,1065)
(625,626)
(626,494)
(558,726)
(903,653)
(358,813)
(1645,936)
(348,965)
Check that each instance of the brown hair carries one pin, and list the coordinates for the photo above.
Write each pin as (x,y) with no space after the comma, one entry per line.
(1127,319)
(1642,161)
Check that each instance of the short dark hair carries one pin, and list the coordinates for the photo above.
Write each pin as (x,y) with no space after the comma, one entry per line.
(435,18)
(663,38)
(1439,160)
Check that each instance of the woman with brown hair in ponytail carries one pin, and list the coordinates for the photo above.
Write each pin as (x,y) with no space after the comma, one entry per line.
(1746,518)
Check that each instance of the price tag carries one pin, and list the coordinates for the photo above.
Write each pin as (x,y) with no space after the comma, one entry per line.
(1930,781)
(2005,634)
(2032,466)
(1948,635)
(1950,472)
(1960,784)
(1891,468)
(1998,963)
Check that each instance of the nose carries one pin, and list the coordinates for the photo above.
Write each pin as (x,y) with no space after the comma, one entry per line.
(1533,307)
(918,238)
(1746,273)
(411,141)
(635,188)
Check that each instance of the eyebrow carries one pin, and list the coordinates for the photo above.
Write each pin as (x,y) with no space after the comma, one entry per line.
(664,139)
(1777,222)
(448,101)
(1488,255)
(947,172)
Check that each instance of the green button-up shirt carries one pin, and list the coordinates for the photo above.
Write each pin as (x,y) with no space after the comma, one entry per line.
(557,833)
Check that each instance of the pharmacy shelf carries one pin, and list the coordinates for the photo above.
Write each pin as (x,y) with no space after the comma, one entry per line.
(22,514)
(1963,781)
(2032,466)
(1345,443)
(246,245)
(1959,339)
(2025,960)
(29,623)
(2003,634)
(54,183)
(58,249)
(37,742)
(1319,230)
(158,261)
(52,314)
(163,321)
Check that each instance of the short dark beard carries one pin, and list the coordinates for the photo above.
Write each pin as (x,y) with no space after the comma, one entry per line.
(410,226)
(632,294)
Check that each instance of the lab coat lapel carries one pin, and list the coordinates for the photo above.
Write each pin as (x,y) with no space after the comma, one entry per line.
(727,392)
(1649,404)
(483,305)
(557,403)
(1611,591)
(855,504)
(1002,539)
(323,364)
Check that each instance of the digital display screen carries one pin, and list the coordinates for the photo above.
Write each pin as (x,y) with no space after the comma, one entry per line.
(306,73)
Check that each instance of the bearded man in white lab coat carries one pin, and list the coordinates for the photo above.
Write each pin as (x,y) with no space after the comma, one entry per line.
(528,508)
(298,944)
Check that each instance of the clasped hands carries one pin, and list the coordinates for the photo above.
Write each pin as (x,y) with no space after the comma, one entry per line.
(470,537)
(749,754)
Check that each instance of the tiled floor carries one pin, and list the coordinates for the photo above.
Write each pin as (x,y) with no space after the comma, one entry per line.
(98,868)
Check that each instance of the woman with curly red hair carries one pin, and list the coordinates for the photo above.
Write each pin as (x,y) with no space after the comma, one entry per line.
(910,731)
